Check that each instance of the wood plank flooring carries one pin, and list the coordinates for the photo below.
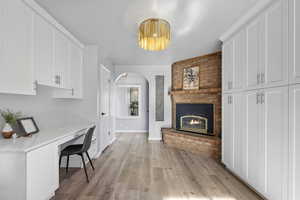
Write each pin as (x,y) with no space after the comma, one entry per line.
(134,169)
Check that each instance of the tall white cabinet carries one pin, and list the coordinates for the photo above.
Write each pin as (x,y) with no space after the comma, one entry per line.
(36,50)
(260,143)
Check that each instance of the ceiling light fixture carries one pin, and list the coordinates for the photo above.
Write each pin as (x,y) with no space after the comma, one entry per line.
(154,34)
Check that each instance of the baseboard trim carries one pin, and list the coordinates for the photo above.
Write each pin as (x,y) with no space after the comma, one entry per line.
(131,131)
(243,182)
(155,139)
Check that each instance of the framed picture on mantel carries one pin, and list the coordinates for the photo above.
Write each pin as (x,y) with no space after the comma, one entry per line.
(191,78)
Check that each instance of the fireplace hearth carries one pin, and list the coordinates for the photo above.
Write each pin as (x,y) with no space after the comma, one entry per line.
(195,118)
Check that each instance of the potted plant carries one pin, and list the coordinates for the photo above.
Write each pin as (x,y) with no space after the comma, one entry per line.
(10,119)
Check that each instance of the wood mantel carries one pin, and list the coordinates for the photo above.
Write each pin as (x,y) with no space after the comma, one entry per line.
(200,91)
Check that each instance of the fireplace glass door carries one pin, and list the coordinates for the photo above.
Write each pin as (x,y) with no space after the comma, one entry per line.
(194,123)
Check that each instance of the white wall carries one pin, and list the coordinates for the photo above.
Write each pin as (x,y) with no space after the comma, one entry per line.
(149,72)
(140,124)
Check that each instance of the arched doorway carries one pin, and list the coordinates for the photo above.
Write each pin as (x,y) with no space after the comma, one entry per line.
(131,102)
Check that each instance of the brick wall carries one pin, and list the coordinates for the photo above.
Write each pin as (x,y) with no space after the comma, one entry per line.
(209,92)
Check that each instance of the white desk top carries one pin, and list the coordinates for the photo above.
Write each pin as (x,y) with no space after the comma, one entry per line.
(44,137)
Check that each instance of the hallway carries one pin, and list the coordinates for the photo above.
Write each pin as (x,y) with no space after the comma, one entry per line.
(133,169)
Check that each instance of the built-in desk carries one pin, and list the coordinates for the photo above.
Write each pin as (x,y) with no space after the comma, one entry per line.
(29,168)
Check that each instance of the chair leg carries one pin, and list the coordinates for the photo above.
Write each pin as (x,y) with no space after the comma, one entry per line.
(90,160)
(60,157)
(67,168)
(87,178)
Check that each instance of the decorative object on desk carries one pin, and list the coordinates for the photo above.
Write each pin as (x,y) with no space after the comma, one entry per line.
(191,78)
(10,119)
(28,125)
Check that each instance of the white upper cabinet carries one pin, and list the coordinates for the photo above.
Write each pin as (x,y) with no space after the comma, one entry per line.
(255,52)
(75,71)
(16,48)
(61,60)
(228,63)
(43,51)
(294,13)
(239,60)
(275,69)
(76,62)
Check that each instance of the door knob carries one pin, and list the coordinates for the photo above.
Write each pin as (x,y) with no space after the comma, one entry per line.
(103,113)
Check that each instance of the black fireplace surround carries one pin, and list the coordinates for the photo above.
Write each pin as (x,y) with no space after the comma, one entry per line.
(194,117)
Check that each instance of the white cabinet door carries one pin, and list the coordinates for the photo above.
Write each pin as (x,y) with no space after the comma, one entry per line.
(239,60)
(76,62)
(256,167)
(240,137)
(42,172)
(294,58)
(43,51)
(275,72)
(275,126)
(17,73)
(75,71)
(61,61)
(228,135)
(294,143)
(255,52)
(228,62)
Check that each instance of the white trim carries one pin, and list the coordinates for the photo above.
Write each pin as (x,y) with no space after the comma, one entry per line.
(131,131)
(253,12)
(154,139)
(43,13)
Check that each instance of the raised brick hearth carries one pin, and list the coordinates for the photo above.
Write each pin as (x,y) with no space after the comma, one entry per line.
(209,92)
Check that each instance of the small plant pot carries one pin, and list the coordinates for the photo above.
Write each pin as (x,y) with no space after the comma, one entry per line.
(7,135)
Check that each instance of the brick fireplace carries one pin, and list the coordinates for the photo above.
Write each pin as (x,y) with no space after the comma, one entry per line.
(196,113)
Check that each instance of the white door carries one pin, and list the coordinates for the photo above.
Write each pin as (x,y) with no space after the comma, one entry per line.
(228,63)
(276,71)
(16,52)
(239,60)
(294,142)
(43,51)
(104,108)
(294,41)
(255,52)
(228,136)
(240,137)
(255,163)
(275,113)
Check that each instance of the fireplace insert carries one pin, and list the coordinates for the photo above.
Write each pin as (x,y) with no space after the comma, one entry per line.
(196,118)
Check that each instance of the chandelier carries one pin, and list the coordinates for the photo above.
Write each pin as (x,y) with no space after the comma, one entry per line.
(154,34)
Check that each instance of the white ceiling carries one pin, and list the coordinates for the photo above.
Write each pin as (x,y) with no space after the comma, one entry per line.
(112,24)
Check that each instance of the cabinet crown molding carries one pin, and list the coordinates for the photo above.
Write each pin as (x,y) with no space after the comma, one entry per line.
(253,12)
(42,12)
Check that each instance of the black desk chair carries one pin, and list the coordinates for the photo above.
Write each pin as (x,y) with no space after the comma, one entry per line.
(79,149)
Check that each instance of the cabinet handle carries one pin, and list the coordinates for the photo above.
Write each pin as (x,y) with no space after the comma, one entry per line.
(262,98)
(257,98)
(258,78)
(72,91)
(262,77)
(228,85)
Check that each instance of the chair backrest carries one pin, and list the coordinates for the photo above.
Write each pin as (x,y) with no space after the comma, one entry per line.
(88,139)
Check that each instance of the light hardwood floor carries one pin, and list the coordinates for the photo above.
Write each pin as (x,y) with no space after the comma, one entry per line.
(133,169)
